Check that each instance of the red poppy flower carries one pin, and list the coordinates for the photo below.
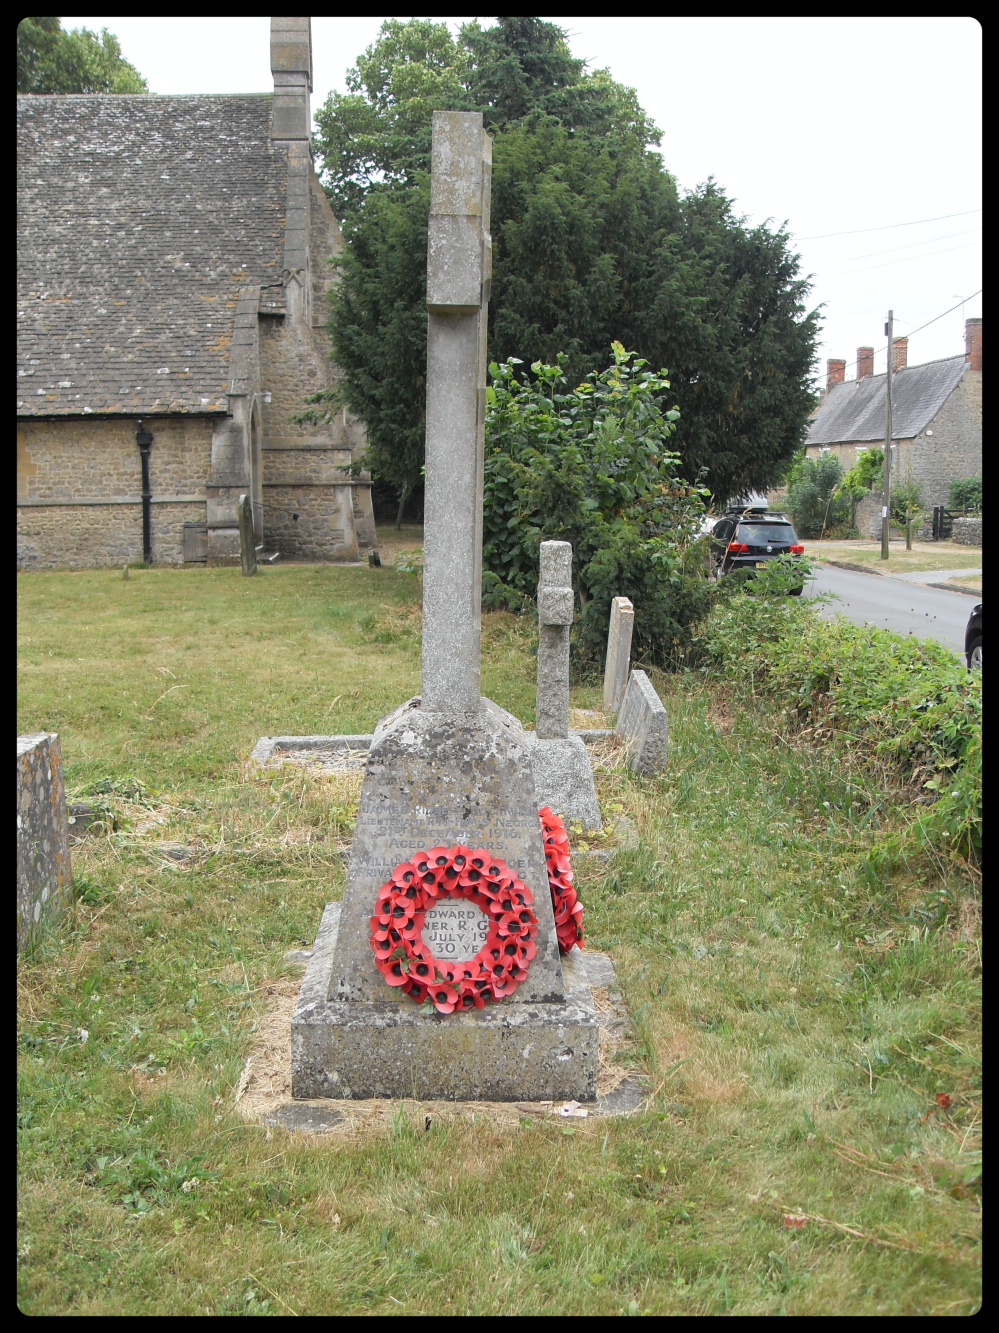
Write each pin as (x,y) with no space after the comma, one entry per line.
(415,991)
(421,970)
(444,998)
(510,924)
(414,925)
(394,974)
(563,910)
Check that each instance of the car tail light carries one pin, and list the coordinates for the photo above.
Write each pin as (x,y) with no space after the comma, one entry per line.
(737,548)
(796,550)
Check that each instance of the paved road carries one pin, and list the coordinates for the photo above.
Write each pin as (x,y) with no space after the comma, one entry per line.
(907,608)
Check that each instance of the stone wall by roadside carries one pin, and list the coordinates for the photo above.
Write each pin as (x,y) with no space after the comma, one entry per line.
(967,531)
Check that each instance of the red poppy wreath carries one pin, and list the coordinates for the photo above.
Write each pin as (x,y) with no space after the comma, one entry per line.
(487,882)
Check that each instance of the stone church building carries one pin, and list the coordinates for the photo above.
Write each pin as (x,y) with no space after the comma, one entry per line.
(172,280)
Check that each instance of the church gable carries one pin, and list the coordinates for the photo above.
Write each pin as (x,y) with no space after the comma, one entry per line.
(173,267)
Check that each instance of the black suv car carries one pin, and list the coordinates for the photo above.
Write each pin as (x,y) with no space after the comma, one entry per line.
(747,539)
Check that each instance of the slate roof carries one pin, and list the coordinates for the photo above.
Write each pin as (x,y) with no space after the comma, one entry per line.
(139,220)
(855,410)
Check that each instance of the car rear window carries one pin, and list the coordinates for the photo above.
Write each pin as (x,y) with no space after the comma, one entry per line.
(762,534)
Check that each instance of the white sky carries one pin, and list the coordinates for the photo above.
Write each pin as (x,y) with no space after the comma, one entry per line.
(832,124)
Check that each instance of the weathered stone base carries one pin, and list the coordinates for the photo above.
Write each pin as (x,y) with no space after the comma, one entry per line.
(505,1052)
(563,780)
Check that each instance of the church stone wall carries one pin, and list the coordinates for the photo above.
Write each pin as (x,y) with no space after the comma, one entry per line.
(80,489)
(98,536)
(311,522)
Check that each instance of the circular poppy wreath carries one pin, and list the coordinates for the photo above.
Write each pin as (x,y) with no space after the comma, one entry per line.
(484,880)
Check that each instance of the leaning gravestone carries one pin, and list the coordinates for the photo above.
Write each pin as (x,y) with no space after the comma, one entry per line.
(622,622)
(563,777)
(641,722)
(447,769)
(44,878)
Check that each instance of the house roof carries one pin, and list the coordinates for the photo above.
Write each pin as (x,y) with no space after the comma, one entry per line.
(139,221)
(855,409)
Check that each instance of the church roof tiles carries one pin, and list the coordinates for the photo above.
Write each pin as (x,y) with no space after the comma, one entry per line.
(140,219)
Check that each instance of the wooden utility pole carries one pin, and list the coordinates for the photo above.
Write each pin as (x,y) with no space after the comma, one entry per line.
(886,510)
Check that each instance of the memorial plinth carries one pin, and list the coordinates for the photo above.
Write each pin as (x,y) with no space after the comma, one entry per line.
(440,780)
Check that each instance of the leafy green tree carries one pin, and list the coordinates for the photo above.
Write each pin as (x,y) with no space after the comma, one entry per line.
(591,244)
(814,499)
(907,506)
(866,474)
(965,495)
(591,466)
(50,60)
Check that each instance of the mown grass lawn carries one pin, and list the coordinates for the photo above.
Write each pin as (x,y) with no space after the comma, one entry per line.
(923,556)
(809,1028)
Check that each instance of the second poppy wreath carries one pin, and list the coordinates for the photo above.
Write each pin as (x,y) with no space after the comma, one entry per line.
(499,917)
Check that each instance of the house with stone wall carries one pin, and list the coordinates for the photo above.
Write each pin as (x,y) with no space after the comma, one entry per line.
(936,416)
(172,278)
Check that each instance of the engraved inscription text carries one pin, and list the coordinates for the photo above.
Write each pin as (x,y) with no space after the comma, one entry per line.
(455,932)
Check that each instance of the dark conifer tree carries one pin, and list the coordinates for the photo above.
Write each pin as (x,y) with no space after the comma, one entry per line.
(592,244)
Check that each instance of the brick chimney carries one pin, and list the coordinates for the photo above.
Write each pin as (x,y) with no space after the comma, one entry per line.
(899,354)
(291,66)
(973,342)
(835,373)
(865,362)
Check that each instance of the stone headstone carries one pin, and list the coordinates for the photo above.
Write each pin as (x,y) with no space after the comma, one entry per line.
(554,619)
(247,542)
(622,622)
(448,767)
(44,876)
(641,721)
(563,777)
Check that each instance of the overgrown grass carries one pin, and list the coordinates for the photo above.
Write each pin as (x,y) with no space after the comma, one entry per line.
(808,1022)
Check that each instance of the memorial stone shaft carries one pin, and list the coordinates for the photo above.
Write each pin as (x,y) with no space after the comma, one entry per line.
(459,268)
(554,619)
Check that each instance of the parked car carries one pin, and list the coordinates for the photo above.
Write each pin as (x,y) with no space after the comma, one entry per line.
(748,539)
(973,639)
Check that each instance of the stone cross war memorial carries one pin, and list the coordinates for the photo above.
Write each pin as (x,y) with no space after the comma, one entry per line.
(441,976)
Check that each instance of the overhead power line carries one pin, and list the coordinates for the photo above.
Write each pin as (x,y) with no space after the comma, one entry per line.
(946,312)
(857,231)
(892,249)
(850,364)
(845,273)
